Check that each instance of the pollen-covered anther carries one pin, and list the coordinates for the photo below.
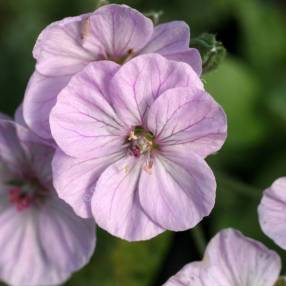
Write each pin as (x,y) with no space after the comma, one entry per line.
(132,136)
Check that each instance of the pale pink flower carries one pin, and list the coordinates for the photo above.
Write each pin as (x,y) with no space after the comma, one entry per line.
(133,141)
(42,240)
(231,259)
(116,33)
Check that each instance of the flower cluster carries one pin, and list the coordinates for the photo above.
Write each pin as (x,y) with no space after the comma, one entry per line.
(114,33)
(114,130)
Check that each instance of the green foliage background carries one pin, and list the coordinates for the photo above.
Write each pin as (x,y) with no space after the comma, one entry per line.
(250,85)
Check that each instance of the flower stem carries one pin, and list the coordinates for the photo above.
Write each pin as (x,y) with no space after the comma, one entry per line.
(199,239)
(226,182)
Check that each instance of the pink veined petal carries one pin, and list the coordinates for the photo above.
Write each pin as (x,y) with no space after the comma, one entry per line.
(12,154)
(168,38)
(198,274)
(40,97)
(71,240)
(241,261)
(231,259)
(120,29)
(73,21)
(18,116)
(115,202)
(59,49)
(171,40)
(31,257)
(27,134)
(189,275)
(184,118)
(178,191)
(272,213)
(140,81)
(190,56)
(23,153)
(22,261)
(83,123)
(37,155)
(75,179)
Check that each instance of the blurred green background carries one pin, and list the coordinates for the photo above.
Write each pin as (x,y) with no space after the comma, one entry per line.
(250,85)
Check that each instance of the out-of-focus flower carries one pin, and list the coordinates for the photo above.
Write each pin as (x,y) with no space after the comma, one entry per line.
(42,240)
(113,32)
(272,212)
(137,136)
(231,259)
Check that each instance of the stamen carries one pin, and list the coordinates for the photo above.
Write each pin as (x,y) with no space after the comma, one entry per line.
(132,136)
(148,166)
(85,30)
(141,142)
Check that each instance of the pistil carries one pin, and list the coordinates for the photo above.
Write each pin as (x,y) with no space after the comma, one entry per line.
(20,198)
(23,194)
(141,142)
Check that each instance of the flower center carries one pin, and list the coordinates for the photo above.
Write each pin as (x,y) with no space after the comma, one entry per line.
(123,59)
(142,142)
(25,194)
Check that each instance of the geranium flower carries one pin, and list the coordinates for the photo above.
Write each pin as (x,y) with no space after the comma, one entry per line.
(272,212)
(116,33)
(231,259)
(42,240)
(137,138)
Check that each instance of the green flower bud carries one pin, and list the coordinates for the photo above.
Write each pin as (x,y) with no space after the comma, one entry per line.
(212,51)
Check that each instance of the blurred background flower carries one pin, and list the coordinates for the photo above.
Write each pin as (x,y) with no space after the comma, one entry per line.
(250,85)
